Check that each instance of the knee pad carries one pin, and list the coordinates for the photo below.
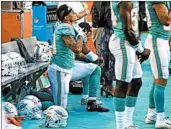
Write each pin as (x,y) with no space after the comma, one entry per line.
(121,89)
(135,86)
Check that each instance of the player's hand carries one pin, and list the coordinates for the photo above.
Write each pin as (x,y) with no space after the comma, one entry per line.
(80,32)
(144,55)
(99,61)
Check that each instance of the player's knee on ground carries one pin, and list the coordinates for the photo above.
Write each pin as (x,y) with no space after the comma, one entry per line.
(134,87)
(121,89)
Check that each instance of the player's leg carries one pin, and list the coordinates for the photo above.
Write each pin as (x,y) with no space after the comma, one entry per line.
(94,83)
(151,115)
(159,60)
(162,57)
(85,95)
(123,70)
(82,71)
(132,95)
(59,82)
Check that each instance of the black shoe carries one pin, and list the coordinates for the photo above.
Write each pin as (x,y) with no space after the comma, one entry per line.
(93,106)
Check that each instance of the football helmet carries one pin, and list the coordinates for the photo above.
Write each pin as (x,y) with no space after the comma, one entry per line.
(29,109)
(42,52)
(34,99)
(18,61)
(7,66)
(56,116)
(9,109)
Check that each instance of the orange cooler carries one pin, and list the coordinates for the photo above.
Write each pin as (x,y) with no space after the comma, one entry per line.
(16,23)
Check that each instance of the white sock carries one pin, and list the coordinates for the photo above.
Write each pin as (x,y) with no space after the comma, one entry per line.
(151,111)
(92,98)
(128,116)
(160,116)
(85,96)
(119,120)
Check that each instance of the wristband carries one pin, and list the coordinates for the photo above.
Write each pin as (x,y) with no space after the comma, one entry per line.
(91,56)
(139,47)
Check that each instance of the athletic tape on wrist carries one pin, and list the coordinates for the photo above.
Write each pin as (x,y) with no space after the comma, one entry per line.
(91,56)
(139,48)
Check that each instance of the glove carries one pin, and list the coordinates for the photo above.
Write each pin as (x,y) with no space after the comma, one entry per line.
(144,55)
(80,33)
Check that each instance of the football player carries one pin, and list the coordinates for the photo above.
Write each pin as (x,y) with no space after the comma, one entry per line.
(159,24)
(67,42)
(86,69)
(124,45)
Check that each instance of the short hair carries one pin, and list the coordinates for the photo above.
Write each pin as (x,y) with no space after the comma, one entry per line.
(63,11)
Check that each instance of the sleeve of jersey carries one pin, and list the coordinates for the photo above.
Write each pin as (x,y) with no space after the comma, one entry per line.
(65,30)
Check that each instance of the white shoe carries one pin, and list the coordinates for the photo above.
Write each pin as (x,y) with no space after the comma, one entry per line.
(131,127)
(164,123)
(150,119)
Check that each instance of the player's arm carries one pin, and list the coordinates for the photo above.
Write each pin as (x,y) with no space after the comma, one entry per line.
(75,46)
(125,12)
(83,14)
(163,14)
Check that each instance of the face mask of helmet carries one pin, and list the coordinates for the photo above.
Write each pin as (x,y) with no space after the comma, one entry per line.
(42,52)
(56,116)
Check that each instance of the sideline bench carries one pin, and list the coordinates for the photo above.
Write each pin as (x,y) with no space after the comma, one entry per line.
(34,70)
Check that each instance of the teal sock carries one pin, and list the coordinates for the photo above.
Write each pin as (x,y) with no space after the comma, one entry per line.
(85,82)
(119,104)
(159,98)
(151,97)
(130,101)
(94,82)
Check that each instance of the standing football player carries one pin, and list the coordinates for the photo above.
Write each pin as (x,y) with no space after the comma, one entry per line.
(124,45)
(159,24)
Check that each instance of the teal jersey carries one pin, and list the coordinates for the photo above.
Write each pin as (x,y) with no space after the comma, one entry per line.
(63,56)
(135,17)
(117,22)
(154,25)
